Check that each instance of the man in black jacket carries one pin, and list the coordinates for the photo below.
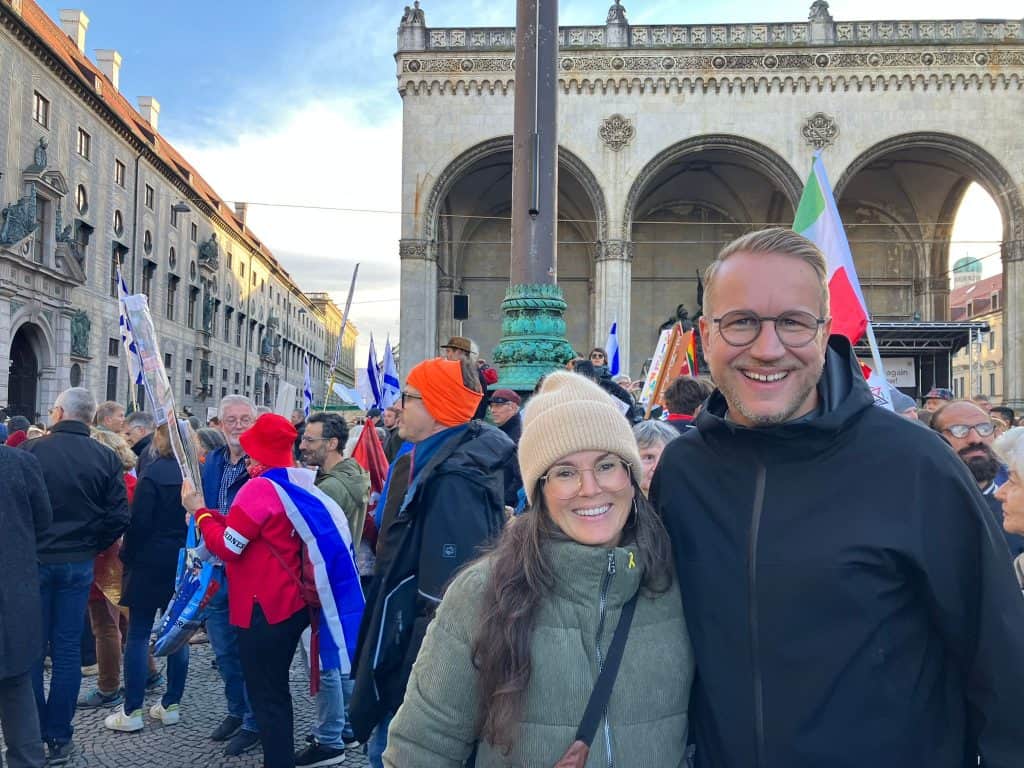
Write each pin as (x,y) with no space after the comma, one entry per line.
(452,505)
(849,596)
(90,511)
(504,411)
(24,515)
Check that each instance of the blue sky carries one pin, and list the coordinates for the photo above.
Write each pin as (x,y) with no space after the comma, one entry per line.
(296,102)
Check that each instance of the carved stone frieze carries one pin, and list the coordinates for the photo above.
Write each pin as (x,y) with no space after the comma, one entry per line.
(820,130)
(615,250)
(616,132)
(422,250)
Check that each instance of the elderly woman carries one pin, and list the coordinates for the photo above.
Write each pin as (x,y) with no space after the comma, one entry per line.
(262,555)
(510,661)
(651,439)
(1010,448)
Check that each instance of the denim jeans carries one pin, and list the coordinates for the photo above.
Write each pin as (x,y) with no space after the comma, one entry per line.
(378,743)
(331,702)
(136,669)
(224,640)
(64,592)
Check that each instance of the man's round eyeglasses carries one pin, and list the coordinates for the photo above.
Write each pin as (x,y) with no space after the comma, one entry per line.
(566,481)
(960,431)
(237,421)
(411,396)
(308,439)
(741,328)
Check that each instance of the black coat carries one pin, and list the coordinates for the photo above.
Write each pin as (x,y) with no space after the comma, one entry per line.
(513,428)
(849,597)
(24,515)
(155,536)
(455,509)
(85,481)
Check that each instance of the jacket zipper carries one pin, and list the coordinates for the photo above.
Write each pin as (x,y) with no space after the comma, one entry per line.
(755,528)
(600,658)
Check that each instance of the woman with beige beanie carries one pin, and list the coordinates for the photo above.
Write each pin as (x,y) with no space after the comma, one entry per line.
(510,661)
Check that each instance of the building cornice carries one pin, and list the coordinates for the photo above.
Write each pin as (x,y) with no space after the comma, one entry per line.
(789,71)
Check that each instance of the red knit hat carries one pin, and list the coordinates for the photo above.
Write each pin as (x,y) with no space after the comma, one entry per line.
(270,440)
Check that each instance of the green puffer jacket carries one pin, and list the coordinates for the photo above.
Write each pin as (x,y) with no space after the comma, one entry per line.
(647,716)
(349,485)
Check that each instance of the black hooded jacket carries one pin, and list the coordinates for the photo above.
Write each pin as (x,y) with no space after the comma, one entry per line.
(848,594)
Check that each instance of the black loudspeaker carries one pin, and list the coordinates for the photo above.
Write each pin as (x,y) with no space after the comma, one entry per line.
(460,306)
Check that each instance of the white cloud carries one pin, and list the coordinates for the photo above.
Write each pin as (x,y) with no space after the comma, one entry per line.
(324,154)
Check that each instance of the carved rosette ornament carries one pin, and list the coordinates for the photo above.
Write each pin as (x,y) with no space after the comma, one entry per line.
(616,132)
(416,249)
(532,336)
(820,130)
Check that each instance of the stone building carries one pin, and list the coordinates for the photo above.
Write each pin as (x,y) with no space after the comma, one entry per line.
(89,183)
(676,138)
(978,369)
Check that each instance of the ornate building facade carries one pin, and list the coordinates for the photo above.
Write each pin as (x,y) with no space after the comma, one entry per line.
(89,184)
(677,138)
(978,369)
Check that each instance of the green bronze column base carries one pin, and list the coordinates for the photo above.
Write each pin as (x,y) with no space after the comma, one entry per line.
(532,336)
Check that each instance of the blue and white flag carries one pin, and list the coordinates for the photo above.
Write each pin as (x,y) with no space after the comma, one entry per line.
(307,388)
(127,337)
(322,525)
(391,389)
(373,375)
(612,348)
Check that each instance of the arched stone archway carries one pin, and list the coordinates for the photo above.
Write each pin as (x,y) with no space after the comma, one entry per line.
(898,200)
(688,201)
(465,248)
(29,354)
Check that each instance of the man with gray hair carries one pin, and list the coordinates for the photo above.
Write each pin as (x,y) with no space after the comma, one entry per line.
(110,416)
(224,473)
(138,431)
(848,593)
(90,511)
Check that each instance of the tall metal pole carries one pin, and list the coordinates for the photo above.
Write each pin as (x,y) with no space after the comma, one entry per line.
(535,145)
(533,340)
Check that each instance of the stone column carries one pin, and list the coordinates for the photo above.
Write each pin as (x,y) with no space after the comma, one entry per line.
(613,274)
(1013,324)
(418,301)
(447,326)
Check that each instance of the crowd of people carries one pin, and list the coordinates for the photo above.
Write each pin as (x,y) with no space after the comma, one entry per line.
(766,571)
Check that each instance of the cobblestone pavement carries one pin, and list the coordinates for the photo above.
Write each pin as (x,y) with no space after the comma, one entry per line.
(185,744)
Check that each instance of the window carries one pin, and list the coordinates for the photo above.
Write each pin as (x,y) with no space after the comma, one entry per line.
(188,365)
(223,391)
(188,386)
(172,295)
(193,232)
(228,258)
(81,199)
(167,360)
(41,110)
(84,144)
(193,298)
(224,374)
(992,336)
(238,331)
(113,347)
(241,269)
(115,263)
(995,301)
(174,217)
(111,382)
(992,384)
(228,311)
(192,270)
(41,217)
(148,270)
(118,223)
(149,197)
(172,258)
(119,173)
(238,376)
(147,242)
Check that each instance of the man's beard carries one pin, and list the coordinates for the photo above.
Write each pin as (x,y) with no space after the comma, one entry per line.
(983,468)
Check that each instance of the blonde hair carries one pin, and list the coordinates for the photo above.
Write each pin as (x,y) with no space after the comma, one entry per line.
(1009,447)
(778,240)
(118,445)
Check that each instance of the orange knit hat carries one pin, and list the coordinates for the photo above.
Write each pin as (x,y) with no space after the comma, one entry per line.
(445,397)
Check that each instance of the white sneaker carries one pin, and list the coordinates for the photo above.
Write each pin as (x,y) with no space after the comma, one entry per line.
(123,721)
(167,716)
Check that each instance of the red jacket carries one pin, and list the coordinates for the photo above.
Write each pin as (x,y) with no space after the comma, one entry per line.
(246,539)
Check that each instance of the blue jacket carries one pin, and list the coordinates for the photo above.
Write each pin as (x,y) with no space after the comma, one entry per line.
(212,470)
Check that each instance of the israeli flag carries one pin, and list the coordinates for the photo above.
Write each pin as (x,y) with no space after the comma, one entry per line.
(127,337)
(307,388)
(612,348)
(373,375)
(322,525)
(390,390)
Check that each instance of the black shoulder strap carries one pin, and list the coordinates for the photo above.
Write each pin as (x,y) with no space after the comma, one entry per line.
(602,692)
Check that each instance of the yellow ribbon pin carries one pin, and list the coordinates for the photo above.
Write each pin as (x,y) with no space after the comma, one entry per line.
(632,561)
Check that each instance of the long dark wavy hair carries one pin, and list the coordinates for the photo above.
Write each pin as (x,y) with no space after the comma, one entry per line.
(520,579)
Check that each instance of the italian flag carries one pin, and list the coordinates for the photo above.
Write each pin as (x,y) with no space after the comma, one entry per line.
(817,219)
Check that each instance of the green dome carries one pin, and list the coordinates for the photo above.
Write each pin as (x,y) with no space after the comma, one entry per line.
(967,264)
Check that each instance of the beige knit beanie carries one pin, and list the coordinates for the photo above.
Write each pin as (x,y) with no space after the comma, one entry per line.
(569,414)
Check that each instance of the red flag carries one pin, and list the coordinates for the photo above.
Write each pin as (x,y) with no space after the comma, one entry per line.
(369,454)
